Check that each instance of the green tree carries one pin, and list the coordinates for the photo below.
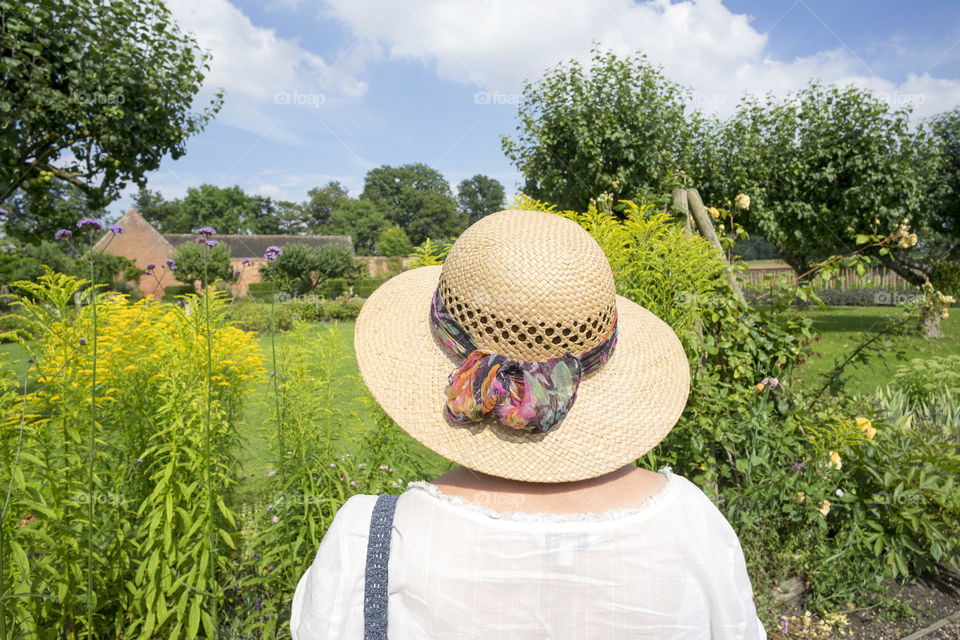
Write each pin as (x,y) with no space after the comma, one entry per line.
(821,166)
(618,127)
(301,269)
(94,94)
(361,220)
(416,198)
(946,217)
(479,196)
(393,242)
(226,209)
(34,216)
(190,258)
(320,205)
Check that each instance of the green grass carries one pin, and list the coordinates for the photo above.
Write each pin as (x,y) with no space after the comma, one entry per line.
(840,330)
(767,263)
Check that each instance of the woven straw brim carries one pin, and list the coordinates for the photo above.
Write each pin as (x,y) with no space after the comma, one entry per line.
(622,410)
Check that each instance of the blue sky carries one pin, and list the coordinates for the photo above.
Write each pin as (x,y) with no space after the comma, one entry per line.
(326,90)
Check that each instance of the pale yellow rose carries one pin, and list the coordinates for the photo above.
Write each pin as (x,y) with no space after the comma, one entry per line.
(867,427)
(714,212)
(801,497)
(743,201)
(824,508)
(835,460)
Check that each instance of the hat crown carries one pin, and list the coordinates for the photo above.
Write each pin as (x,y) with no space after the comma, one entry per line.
(529,285)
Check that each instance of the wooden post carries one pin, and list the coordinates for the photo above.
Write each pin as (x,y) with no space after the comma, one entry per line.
(680,202)
(705,227)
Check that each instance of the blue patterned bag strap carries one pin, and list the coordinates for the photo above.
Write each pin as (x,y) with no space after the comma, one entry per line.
(375,576)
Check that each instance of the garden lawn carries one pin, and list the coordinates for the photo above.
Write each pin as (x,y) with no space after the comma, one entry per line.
(841,328)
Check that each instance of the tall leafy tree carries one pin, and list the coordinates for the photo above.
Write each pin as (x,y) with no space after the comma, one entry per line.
(416,198)
(300,268)
(321,203)
(946,217)
(618,127)
(194,260)
(94,94)
(821,166)
(480,196)
(34,216)
(362,220)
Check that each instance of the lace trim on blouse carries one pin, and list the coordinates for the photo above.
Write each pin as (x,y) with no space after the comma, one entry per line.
(529,516)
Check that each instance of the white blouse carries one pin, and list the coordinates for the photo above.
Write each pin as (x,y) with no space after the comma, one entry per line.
(670,569)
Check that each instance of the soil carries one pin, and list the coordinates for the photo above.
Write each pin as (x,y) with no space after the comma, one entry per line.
(932,600)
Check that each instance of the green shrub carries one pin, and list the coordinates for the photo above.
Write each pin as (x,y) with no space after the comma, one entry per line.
(366,286)
(261,290)
(921,378)
(946,277)
(171,292)
(332,288)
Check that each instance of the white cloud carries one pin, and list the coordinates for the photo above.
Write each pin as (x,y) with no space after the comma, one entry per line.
(269,81)
(497,44)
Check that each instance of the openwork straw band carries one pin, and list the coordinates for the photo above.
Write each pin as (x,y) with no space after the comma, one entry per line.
(532,396)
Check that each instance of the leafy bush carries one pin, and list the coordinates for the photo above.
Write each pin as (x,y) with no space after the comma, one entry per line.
(301,269)
(366,286)
(946,277)
(394,242)
(173,291)
(333,288)
(261,290)
(200,262)
(922,378)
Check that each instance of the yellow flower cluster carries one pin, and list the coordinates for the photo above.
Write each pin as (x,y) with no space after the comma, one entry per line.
(903,237)
(867,427)
(824,508)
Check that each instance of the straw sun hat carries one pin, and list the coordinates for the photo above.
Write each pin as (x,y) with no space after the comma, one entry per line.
(530,287)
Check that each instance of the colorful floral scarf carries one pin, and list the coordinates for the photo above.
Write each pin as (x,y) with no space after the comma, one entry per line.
(534,396)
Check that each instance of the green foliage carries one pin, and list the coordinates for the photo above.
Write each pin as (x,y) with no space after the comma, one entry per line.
(155,507)
(922,378)
(945,276)
(254,315)
(366,286)
(821,166)
(227,209)
(199,262)
(301,269)
(100,95)
(322,202)
(34,217)
(430,253)
(394,242)
(617,127)
(26,262)
(362,221)
(479,196)
(416,198)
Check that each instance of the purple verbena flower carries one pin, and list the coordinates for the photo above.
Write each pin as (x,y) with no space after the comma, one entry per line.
(63,233)
(273,252)
(799,465)
(173,267)
(3,212)
(212,243)
(89,223)
(246,261)
(169,262)
(270,507)
(207,231)
(201,240)
(236,273)
(116,228)
(139,460)
(151,265)
(83,341)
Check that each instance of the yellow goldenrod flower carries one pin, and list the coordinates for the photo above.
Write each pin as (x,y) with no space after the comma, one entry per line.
(867,427)
(835,461)
(824,508)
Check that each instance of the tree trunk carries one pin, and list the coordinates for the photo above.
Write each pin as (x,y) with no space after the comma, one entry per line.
(705,227)
(930,326)
(680,202)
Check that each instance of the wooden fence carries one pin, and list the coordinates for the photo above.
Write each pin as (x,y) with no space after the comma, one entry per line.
(844,280)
